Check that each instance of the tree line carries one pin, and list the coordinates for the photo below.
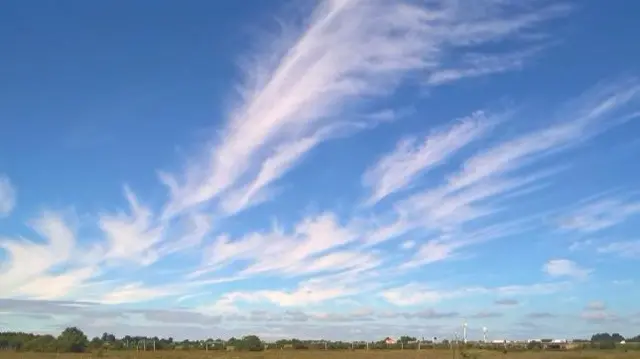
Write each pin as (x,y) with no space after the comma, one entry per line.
(74,340)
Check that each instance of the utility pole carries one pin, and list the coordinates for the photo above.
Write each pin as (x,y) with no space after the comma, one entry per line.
(464,333)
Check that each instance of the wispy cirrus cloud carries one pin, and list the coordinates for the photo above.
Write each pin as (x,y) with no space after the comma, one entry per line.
(476,65)
(312,246)
(504,170)
(350,50)
(295,103)
(600,214)
(441,194)
(629,249)
(7,196)
(411,158)
(57,265)
(29,265)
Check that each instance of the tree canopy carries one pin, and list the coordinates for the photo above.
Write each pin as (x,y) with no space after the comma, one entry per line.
(74,340)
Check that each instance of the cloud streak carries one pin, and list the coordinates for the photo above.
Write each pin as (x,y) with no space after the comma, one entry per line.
(504,170)
(410,159)
(7,196)
(600,214)
(350,51)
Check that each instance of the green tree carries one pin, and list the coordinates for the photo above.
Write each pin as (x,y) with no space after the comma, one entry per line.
(96,343)
(108,338)
(251,342)
(601,337)
(406,339)
(616,337)
(41,343)
(72,340)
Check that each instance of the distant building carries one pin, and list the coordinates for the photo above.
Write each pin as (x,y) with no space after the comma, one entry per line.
(389,340)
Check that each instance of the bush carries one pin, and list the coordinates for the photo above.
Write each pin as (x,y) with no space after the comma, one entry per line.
(99,353)
(607,345)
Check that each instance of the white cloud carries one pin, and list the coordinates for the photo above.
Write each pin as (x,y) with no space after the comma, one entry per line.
(48,286)
(600,214)
(196,227)
(630,249)
(349,51)
(7,196)
(580,245)
(565,268)
(316,244)
(137,292)
(450,242)
(417,294)
(597,315)
(503,171)
(308,292)
(131,237)
(315,90)
(581,118)
(414,294)
(434,251)
(476,65)
(27,272)
(408,244)
(596,305)
(532,289)
(273,167)
(396,170)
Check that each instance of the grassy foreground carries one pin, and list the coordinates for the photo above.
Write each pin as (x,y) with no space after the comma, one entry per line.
(318,354)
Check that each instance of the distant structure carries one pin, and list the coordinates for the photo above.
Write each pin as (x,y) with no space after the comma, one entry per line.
(389,340)
(484,334)
(464,332)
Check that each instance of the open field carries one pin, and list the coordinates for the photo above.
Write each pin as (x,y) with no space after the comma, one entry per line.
(373,354)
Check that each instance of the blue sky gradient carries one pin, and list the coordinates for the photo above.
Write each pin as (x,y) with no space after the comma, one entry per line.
(340,169)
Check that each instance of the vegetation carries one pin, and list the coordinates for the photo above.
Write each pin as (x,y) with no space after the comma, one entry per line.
(321,354)
(73,340)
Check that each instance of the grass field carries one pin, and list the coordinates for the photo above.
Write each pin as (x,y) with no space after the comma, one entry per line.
(373,354)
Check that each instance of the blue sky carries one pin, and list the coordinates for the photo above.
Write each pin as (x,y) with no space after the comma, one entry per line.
(340,169)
